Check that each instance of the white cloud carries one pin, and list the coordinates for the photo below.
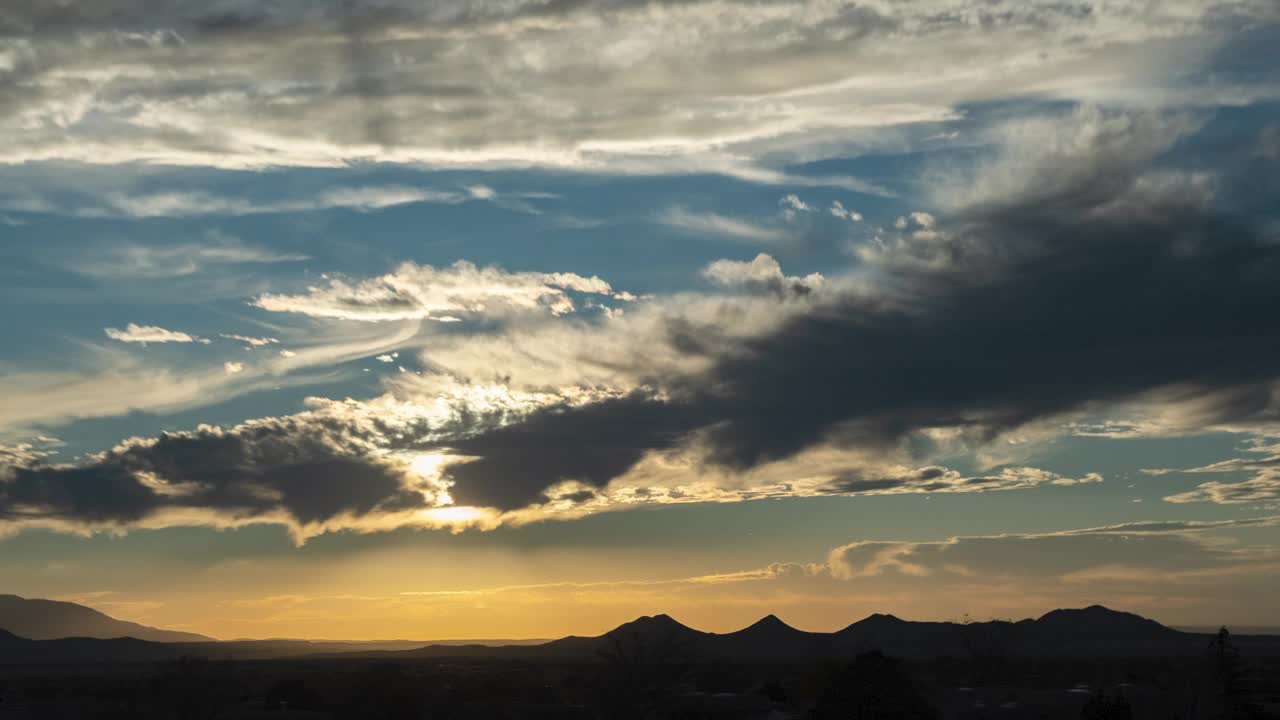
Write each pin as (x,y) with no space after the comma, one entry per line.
(232,368)
(715,224)
(134,333)
(253,342)
(95,197)
(838,210)
(763,272)
(1089,152)
(188,204)
(792,204)
(618,354)
(415,291)
(917,220)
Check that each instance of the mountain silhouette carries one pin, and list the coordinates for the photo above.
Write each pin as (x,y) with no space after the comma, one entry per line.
(1090,632)
(51,619)
(768,639)
(1094,630)
(902,638)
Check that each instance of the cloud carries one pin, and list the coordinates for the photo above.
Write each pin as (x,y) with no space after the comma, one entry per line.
(632,449)
(792,204)
(1067,295)
(111,382)
(1263,486)
(359,198)
(583,85)
(1060,297)
(232,368)
(662,336)
(339,465)
(259,472)
(134,333)
(1131,551)
(838,210)
(920,221)
(707,223)
(252,342)
(1078,160)
(415,291)
(761,273)
(414,456)
(123,260)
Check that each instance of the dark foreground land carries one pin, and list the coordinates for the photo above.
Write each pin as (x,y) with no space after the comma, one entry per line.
(867,686)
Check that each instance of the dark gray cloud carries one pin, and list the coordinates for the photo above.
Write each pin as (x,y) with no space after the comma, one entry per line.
(592,444)
(297,470)
(338,465)
(1075,294)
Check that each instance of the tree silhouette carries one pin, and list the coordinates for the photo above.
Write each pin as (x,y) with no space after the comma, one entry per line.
(1106,707)
(872,687)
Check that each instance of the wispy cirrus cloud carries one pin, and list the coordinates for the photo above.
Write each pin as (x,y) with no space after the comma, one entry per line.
(252,342)
(144,204)
(709,223)
(122,260)
(134,333)
(425,292)
(1069,555)
(1263,485)
(110,382)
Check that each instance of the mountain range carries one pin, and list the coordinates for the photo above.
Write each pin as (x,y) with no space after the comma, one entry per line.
(1089,632)
(1094,631)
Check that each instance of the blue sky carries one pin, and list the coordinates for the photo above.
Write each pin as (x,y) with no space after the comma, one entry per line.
(331,308)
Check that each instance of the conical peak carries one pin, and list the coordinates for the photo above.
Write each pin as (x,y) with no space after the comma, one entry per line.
(878,618)
(653,622)
(660,619)
(769,623)
(1091,611)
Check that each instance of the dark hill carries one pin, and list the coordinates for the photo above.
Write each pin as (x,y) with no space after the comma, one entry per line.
(902,638)
(1096,630)
(51,619)
(768,640)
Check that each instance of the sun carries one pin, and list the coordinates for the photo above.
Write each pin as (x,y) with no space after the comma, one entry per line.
(428,465)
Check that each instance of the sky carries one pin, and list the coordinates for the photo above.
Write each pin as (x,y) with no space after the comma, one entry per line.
(522,318)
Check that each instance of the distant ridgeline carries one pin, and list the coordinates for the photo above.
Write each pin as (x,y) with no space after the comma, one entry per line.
(49,619)
(1091,632)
